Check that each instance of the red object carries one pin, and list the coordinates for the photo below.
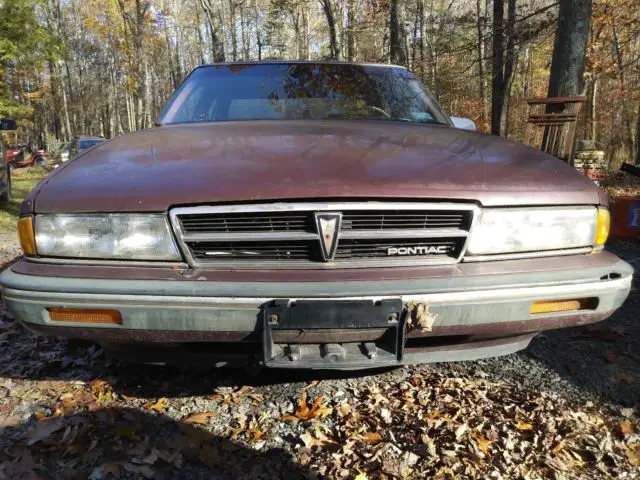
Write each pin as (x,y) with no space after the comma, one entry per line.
(16,158)
(595,173)
(625,217)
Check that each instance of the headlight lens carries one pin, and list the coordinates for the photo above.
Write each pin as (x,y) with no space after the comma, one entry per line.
(110,236)
(532,229)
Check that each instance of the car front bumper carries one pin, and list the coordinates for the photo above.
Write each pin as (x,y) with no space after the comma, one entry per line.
(168,320)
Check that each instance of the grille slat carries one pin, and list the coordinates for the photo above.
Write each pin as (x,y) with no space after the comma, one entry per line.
(284,235)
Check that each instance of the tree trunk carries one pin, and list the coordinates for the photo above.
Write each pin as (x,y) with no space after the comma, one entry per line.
(397,35)
(567,64)
(232,28)
(572,33)
(481,26)
(217,46)
(333,33)
(511,58)
(497,71)
(422,33)
(637,160)
(351,34)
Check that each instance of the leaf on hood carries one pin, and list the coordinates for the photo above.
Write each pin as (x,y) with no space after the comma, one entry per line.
(159,406)
(44,429)
(201,418)
(361,476)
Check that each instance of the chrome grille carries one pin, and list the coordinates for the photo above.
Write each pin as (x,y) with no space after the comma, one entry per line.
(246,222)
(205,251)
(285,235)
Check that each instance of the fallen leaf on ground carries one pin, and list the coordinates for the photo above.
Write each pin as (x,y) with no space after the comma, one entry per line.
(44,429)
(318,410)
(524,426)
(311,440)
(460,431)
(622,378)
(626,428)
(483,443)
(201,418)
(372,437)
(160,406)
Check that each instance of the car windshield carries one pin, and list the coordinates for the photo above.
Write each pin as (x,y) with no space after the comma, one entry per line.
(301,91)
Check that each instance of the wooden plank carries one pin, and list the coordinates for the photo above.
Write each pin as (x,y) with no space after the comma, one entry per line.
(556,100)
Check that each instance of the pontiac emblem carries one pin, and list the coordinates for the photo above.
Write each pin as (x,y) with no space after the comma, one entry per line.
(328,225)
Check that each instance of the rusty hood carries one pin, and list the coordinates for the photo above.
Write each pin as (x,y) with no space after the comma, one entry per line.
(155,169)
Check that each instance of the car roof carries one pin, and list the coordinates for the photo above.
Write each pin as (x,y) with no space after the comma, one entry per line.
(300,62)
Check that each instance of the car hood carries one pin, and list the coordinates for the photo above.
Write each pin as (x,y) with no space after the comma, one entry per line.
(155,169)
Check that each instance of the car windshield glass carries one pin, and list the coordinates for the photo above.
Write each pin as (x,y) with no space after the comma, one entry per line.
(83,144)
(301,91)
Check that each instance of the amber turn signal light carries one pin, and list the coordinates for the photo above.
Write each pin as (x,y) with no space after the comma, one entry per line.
(550,306)
(85,315)
(26,235)
(602,227)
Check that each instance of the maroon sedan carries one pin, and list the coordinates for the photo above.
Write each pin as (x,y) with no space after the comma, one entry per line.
(323,215)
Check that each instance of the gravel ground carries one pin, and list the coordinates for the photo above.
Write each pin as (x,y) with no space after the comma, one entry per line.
(567,407)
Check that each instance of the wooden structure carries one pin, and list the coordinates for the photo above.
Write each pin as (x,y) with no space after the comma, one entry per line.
(551,125)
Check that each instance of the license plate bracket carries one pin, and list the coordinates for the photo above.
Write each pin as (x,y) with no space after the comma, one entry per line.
(306,315)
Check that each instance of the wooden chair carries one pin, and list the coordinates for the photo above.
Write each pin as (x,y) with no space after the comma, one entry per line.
(552,127)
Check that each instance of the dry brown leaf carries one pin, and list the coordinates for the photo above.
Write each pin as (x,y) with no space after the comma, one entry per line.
(460,431)
(344,409)
(372,437)
(44,429)
(317,410)
(633,454)
(623,378)
(201,418)
(626,428)
(524,426)
(111,467)
(318,438)
(99,385)
(159,406)
(483,443)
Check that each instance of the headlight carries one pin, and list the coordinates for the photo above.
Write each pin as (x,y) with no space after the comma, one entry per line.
(516,230)
(108,236)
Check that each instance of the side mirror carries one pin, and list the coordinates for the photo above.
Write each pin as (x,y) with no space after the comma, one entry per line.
(464,123)
(8,124)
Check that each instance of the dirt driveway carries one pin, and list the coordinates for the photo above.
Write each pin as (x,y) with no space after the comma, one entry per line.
(567,407)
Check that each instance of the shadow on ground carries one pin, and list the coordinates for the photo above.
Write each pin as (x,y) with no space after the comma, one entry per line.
(130,443)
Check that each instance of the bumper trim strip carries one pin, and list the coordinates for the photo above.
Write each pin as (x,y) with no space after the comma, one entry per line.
(584,289)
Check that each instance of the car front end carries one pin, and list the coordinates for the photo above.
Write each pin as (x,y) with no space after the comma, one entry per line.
(321,243)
